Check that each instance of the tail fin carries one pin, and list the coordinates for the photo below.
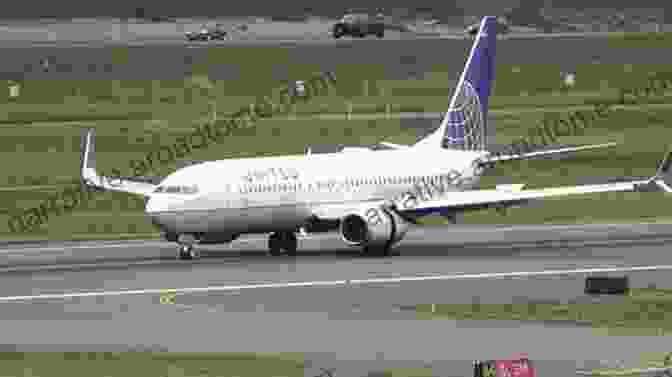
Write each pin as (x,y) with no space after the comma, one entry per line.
(464,125)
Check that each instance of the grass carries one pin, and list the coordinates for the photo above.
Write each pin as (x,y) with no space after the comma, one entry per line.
(641,40)
(647,360)
(517,86)
(170,364)
(91,364)
(645,311)
(130,123)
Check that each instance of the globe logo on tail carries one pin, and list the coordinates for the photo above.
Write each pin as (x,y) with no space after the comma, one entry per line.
(465,128)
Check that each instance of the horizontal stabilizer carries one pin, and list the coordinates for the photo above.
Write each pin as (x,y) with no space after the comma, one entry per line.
(497,157)
(516,187)
(393,146)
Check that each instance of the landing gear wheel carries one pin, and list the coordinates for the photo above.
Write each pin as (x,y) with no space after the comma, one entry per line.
(380,34)
(274,244)
(187,252)
(338,32)
(290,244)
(282,242)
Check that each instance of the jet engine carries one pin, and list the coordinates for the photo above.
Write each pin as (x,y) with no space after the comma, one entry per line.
(376,226)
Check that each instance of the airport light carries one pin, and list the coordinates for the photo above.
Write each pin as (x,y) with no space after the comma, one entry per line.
(14,89)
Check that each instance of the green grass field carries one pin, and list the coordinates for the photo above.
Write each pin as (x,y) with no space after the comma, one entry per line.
(90,364)
(644,312)
(647,360)
(168,364)
(41,130)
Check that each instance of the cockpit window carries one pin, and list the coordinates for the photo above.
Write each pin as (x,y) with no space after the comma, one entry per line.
(193,189)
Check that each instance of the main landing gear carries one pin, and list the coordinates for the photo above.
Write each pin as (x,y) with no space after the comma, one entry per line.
(278,243)
(282,242)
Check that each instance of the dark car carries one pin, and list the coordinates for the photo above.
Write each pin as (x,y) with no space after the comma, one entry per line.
(359,25)
(207,34)
(503,27)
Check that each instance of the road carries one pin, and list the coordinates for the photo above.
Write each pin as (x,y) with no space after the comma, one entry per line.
(354,327)
(404,57)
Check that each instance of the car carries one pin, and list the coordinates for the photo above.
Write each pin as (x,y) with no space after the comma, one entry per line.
(207,34)
(359,25)
(503,27)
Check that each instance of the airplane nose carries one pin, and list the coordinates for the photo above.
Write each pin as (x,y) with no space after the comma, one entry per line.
(152,209)
(151,206)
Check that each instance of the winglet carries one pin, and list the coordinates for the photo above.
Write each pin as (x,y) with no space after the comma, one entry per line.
(91,180)
(664,166)
(663,178)
(87,160)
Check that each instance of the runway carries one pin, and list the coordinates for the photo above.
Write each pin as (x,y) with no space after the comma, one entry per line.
(361,326)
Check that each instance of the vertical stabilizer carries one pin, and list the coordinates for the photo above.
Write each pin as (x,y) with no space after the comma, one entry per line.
(464,125)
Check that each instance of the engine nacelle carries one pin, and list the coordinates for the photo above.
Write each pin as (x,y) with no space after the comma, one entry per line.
(373,227)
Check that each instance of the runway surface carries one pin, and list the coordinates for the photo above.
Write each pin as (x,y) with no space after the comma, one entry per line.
(356,327)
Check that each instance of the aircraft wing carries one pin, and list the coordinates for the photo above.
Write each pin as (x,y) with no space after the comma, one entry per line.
(91,178)
(479,199)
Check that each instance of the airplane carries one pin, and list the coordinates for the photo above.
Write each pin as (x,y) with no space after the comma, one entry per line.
(368,198)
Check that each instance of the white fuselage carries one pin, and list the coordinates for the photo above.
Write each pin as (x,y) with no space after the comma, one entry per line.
(257,195)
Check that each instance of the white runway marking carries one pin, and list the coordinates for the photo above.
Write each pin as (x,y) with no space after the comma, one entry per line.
(459,276)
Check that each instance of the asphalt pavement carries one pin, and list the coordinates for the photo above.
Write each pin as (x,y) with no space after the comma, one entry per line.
(356,327)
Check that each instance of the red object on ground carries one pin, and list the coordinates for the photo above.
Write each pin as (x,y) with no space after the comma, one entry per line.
(514,368)
(521,367)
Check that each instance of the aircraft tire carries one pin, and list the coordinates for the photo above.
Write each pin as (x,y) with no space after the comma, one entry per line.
(185,252)
(290,244)
(274,244)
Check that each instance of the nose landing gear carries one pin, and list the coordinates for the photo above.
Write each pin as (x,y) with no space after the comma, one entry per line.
(186,250)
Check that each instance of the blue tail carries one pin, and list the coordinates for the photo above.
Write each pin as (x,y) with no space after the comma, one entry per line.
(464,125)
